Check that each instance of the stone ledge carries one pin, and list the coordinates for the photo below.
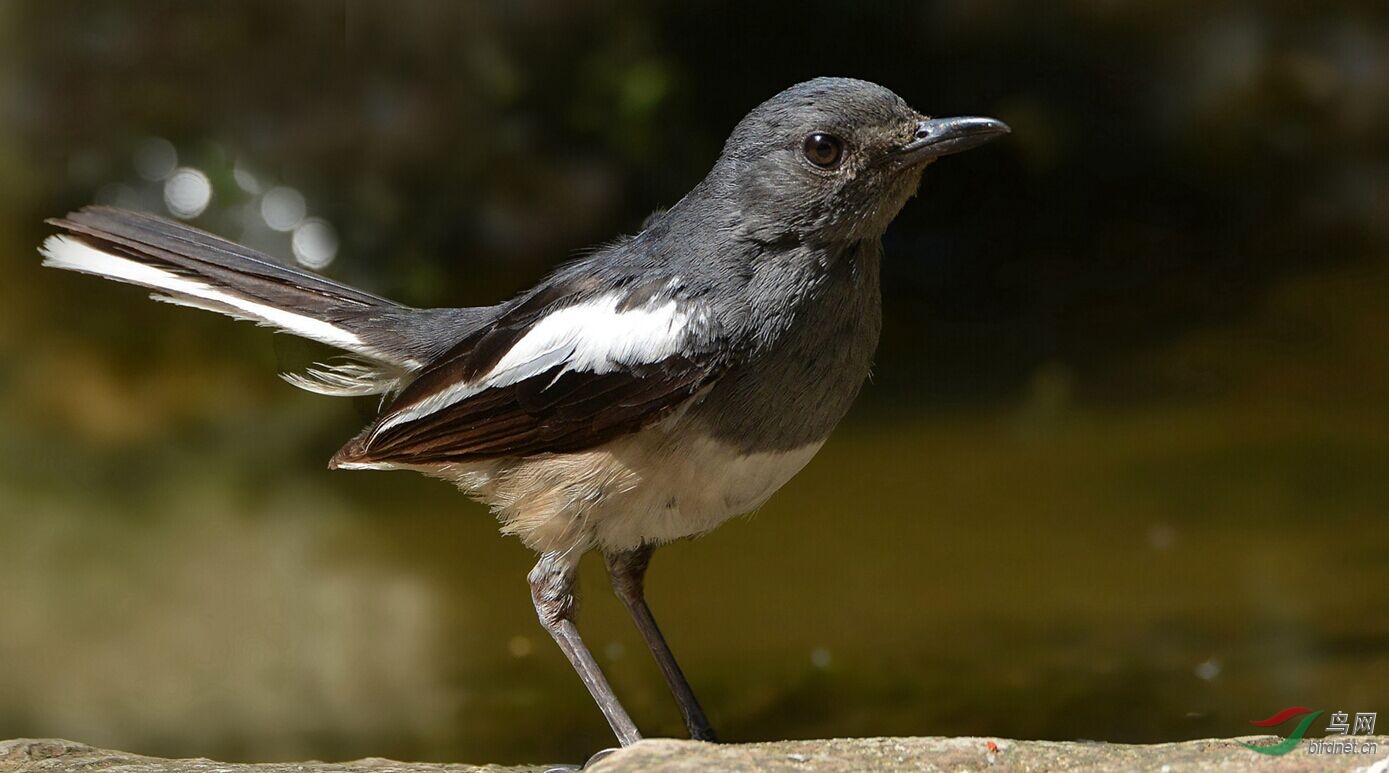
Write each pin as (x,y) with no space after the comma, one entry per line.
(834,756)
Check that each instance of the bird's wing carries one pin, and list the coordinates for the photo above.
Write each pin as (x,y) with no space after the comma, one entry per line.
(567,368)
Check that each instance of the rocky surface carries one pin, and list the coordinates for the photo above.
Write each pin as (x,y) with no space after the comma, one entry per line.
(853,754)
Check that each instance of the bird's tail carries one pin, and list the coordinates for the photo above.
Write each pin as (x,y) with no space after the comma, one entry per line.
(189,267)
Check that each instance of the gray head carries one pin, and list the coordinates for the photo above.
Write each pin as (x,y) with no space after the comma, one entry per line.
(833,160)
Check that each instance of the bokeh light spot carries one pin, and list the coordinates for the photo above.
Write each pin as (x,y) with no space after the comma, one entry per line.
(155,159)
(187,192)
(245,178)
(283,208)
(519,646)
(315,243)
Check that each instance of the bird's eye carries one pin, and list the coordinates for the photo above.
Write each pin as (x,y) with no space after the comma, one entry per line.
(823,150)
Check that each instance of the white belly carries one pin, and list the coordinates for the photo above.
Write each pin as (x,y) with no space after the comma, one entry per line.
(661,484)
(692,489)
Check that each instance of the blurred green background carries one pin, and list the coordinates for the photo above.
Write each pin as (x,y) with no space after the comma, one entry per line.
(1122,471)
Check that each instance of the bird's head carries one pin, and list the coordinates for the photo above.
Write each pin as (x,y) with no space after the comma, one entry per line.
(834,160)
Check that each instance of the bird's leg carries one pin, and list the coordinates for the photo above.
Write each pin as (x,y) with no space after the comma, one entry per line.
(552,588)
(628,573)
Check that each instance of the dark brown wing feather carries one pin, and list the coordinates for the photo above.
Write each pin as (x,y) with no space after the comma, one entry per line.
(553,412)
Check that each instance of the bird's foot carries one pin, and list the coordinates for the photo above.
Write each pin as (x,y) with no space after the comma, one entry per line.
(598,756)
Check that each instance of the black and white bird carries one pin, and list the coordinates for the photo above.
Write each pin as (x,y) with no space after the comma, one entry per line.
(643,394)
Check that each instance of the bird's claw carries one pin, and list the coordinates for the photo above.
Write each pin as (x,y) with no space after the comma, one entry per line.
(598,756)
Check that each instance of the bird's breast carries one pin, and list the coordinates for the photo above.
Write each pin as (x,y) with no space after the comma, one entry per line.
(794,387)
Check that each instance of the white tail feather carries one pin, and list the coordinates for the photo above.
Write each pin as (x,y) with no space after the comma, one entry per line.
(74,255)
(345,379)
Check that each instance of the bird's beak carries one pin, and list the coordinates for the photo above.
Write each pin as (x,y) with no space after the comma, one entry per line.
(936,137)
